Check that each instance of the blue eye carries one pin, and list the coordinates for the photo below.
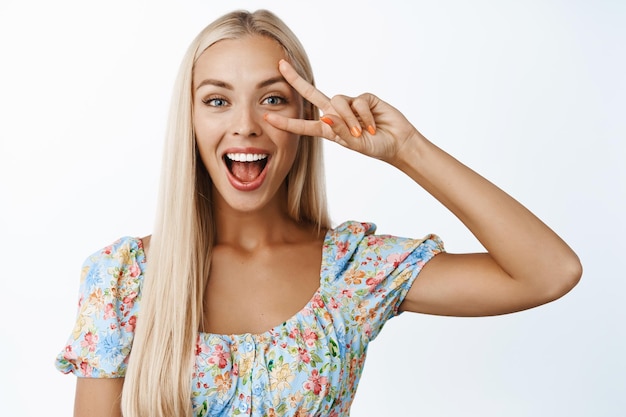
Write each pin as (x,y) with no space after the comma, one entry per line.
(215,102)
(274,100)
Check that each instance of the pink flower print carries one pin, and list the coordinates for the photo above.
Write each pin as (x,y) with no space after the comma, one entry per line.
(316,382)
(368,329)
(317,301)
(310,337)
(86,369)
(236,369)
(219,357)
(90,341)
(129,300)
(129,326)
(347,292)
(134,270)
(333,304)
(109,311)
(304,355)
(108,250)
(374,281)
(395,259)
(201,347)
(374,240)
(198,377)
(69,353)
(294,333)
(307,311)
(342,249)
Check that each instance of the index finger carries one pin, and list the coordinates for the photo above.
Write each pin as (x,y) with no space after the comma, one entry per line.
(304,88)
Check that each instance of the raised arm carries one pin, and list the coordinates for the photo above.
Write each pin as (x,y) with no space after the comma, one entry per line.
(526,263)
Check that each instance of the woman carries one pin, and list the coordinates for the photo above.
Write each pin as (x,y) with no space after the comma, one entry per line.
(212,303)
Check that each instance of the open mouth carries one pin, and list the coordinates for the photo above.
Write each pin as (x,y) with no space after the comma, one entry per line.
(245,167)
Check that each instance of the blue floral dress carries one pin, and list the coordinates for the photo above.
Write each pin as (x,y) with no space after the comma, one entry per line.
(309,365)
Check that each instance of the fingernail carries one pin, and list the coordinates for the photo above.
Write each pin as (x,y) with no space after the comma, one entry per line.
(356,131)
(327,120)
(371,129)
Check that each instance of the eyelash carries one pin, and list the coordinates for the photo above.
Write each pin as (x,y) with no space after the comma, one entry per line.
(210,101)
(281,99)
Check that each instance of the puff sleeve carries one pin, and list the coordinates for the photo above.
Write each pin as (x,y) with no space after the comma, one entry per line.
(369,275)
(110,288)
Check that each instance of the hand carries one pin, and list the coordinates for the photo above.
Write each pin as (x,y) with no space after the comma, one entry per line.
(365,123)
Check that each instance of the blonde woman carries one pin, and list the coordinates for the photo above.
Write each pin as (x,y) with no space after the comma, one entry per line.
(245,300)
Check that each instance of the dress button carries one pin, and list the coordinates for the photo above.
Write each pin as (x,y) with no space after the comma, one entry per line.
(248,347)
(243,407)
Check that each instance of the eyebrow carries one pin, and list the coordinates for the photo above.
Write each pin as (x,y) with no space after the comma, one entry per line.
(222,84)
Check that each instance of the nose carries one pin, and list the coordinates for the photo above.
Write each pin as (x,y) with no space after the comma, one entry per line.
(246,122)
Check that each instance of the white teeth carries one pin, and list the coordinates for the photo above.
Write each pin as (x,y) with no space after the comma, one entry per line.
(245,157)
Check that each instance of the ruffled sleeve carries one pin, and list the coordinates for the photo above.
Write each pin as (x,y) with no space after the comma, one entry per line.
(368,275)
(110,289)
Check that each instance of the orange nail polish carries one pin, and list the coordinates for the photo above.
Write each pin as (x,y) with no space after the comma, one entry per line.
(371,129)
(356,131)
(327,120)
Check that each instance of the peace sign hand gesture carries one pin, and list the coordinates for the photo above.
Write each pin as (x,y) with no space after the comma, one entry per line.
(365,123)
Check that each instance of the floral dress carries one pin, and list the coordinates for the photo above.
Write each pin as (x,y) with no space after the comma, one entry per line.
(309,365)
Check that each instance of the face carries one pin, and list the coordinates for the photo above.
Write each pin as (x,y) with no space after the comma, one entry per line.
(235,83)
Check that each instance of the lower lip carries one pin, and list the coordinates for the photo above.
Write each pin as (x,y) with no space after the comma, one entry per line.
(247,186)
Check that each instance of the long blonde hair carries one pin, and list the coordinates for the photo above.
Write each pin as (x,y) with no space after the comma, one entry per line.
(158,379)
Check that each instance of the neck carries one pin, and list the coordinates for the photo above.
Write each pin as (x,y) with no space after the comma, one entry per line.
(250,230)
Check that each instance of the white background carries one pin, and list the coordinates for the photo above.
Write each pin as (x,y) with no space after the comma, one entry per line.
(529,93)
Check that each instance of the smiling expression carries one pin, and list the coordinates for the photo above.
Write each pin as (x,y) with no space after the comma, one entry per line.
(235,83)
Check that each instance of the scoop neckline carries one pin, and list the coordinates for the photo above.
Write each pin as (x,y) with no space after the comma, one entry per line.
(262,335)
(267,333)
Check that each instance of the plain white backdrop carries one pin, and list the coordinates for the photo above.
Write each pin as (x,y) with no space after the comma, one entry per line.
(530,94)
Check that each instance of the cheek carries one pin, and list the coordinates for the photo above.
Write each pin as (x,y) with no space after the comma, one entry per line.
(206,145)
(206,133)
(291,147)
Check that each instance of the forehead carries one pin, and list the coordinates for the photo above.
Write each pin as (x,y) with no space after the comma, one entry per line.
(250,57)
